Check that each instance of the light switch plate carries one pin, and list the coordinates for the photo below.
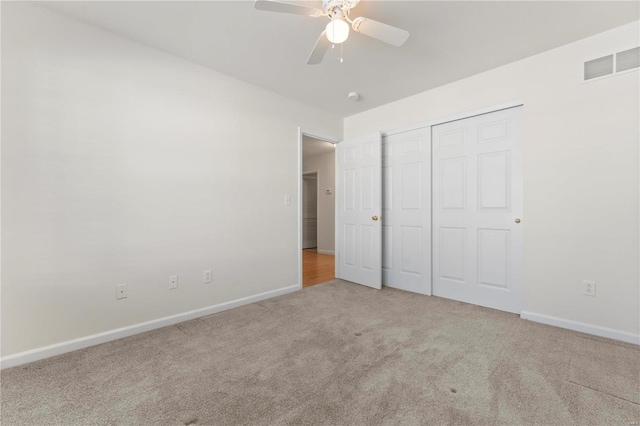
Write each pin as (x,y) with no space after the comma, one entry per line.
(589,288)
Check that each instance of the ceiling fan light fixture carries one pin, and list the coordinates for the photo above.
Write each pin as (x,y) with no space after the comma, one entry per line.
(337,31)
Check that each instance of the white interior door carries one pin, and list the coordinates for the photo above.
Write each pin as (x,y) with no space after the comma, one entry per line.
(406,210)
(477,208)
(359,193)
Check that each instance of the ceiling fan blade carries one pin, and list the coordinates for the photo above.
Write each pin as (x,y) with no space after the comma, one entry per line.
(319,50)
(277,6)
(387,33)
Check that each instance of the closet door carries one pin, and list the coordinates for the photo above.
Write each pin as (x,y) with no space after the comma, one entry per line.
(477,210)
(406,210)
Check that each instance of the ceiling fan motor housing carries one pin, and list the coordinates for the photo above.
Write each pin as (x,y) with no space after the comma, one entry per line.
(330,6)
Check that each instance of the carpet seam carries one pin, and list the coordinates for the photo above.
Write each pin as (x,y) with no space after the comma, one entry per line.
(603,392)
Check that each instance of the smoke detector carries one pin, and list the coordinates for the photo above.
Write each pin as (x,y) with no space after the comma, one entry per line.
(354,96)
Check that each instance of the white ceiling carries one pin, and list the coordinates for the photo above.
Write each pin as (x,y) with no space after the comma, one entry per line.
(312,146)
(449,40)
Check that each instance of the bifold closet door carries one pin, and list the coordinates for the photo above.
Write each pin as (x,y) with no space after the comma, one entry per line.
(477,210)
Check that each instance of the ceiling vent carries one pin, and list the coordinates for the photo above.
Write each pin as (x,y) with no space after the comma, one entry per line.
(612,64)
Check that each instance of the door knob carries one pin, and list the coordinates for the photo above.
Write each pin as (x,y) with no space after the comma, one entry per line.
(374,217)
(517,220)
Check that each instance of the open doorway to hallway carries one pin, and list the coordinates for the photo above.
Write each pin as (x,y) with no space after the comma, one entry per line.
(318,211)
(317,268)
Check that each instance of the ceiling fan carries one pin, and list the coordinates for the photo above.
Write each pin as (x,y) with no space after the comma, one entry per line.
(337,29)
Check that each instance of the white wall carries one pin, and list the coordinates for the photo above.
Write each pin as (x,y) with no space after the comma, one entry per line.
(325,164)
(123,164)
(580,151)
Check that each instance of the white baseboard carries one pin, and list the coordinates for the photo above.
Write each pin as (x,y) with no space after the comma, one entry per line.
(107,336)
(582,327)
(331,252)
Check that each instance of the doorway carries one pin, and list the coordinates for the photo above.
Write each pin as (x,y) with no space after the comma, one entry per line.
(317,211)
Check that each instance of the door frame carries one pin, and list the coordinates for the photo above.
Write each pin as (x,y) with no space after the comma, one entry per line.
(317,173)
(301,134)
(455,117)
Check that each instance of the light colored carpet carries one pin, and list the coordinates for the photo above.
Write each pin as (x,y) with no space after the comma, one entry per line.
(338,354)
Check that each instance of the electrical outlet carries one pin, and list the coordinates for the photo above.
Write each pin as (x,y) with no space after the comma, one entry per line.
(207,276)
(173,282)
(287,200)
(121,291)
(589,288)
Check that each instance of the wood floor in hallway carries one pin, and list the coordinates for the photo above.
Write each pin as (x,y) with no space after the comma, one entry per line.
(317,268)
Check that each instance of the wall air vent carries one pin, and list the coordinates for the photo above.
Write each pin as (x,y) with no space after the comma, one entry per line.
(627,60)
(598,67)
(612,64)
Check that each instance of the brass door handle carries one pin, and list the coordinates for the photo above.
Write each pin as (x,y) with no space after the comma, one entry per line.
(517,220)
(374,217)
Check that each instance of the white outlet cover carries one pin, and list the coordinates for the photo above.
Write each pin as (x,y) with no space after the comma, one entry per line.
(173,282)
(207,276)
(121,291)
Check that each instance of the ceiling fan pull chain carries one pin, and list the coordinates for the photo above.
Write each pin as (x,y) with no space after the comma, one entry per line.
(341,53)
